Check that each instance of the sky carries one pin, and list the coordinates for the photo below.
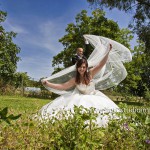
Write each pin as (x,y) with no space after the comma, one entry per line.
(39,25)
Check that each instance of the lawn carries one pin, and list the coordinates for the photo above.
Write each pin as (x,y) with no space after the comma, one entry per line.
(19,104)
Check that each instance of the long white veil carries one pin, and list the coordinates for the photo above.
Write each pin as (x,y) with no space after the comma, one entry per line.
(110,75)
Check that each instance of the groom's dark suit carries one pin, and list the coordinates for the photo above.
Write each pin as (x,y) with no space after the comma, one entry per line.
(76,57)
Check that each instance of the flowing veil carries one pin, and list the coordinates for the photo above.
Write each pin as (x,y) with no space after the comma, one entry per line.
(112,73)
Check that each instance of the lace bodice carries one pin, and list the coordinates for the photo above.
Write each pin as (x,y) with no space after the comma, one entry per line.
(86,89)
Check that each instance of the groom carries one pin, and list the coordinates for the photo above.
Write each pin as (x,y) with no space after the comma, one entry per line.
(79,54)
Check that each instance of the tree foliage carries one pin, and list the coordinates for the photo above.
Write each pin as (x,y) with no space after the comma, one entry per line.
(141,15)
(8,52)
(97,24)
(137,81)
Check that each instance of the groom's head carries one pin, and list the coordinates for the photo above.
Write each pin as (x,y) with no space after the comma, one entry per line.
(80,51)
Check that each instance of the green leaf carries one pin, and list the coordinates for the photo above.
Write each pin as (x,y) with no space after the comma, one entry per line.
(12,117)
(3,113)
(147,120)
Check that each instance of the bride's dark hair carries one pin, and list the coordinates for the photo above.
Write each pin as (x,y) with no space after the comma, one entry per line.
(86,78)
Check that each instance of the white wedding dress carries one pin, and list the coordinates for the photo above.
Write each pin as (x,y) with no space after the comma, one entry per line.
(112,73)
(83,95)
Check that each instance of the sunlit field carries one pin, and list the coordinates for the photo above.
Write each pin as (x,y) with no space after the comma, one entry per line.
(18,104)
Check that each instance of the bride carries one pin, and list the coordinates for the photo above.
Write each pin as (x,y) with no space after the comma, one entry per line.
(80,84)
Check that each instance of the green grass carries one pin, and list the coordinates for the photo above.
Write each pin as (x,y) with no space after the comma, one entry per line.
(31,105)
(18,104)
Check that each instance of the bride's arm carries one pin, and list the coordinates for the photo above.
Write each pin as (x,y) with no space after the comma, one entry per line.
(99,66)
(63,86)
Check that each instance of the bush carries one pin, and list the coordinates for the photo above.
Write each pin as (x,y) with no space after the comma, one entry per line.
(7,90)
(147,95)
(77,131)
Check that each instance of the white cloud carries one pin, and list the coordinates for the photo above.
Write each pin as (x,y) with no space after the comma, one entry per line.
(51,32)
(43,34)
(36,67)
(45,37)
(12,26)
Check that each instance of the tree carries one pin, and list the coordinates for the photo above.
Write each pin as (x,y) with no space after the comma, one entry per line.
(141,17)
(21,80)
(96,24)
(133,83)
(8,52)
